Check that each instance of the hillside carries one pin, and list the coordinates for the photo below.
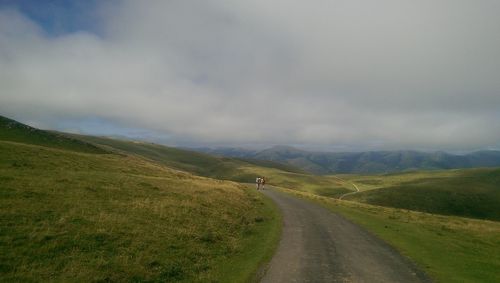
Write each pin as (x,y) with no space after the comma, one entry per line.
(242,170)
(68,215)
(365,162)
(234,169)
(467,192)
(11,130)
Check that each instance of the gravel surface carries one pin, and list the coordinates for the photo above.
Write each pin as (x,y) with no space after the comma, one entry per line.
(320,246)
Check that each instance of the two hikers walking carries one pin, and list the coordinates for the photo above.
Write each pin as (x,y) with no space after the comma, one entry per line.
(260,182)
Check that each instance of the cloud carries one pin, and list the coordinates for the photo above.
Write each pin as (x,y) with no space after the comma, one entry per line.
(386,74)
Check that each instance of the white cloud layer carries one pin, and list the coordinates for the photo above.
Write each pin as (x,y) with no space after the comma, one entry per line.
(375,74)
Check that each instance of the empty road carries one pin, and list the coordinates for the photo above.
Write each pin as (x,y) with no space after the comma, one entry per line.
(320,246)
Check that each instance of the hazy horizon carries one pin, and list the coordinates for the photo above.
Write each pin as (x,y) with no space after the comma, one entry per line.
(317,75)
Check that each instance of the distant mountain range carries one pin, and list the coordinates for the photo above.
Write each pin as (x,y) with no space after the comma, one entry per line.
(363,162)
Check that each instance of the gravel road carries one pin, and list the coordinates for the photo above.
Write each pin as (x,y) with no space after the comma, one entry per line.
(320,246)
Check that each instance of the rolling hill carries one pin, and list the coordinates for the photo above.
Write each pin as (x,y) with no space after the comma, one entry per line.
(243,170)
(471,193)
(194,162)
(364,162)
(69,214)
(11,130)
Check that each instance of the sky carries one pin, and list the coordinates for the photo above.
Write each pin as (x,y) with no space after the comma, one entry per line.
(339,75)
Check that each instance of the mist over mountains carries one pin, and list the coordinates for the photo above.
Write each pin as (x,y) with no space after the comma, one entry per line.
(363,162)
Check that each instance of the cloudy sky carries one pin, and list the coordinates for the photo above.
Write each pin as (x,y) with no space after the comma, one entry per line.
(336,74)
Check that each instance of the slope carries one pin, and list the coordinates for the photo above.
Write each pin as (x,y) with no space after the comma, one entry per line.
(11,130)
(234,169)
(67,215)
(466,192)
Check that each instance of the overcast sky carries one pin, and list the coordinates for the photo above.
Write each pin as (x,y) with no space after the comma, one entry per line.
(343,75)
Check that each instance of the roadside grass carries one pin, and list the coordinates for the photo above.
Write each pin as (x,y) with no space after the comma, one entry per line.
(448,248)
(467,192)
(70,216)
(251,265)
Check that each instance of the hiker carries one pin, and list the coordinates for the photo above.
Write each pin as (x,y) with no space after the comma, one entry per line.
(263,182)
(258,182)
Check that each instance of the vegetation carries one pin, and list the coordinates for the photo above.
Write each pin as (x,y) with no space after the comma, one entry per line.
(11,130)
(239,170)
(467,192)
(194,162)
(72,216)
(365,162)
(142,212)
(449,248)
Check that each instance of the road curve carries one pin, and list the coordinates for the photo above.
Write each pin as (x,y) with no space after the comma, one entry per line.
(320,246)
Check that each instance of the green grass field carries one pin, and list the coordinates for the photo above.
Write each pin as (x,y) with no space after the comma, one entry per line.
(238,170)
(449,248)
(72,216)
(466,192)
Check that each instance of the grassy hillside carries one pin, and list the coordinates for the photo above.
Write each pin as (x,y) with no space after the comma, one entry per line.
(11,130)
(197,163)
(239,170)
(450,249)
(467,192)
(72,216)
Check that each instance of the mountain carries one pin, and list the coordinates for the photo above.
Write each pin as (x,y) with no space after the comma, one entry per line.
(364,162)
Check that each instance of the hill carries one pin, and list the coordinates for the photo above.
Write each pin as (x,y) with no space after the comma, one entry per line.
(70,215)
(234,169)
(190,161)
(364,162)
(11,130)
(466,192)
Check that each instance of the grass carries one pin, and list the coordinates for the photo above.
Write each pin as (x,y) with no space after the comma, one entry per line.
(467,192)
(321,185)
(72,216)
(378,181)
(259,250)
(11,130)
(194,162)
(69,214)
(239,170)
(449,248)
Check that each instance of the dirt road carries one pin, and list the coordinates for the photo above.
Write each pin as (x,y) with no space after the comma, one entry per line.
(320,246)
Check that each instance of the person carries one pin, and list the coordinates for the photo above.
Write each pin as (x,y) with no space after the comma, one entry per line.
(263,182)
(257,182)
